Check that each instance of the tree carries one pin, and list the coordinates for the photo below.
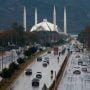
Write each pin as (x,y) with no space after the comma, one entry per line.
(20,33)
(84,36)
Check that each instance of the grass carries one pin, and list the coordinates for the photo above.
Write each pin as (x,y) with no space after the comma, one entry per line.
(6,83)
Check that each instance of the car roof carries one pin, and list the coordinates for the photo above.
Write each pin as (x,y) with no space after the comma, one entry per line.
(28,69)
(35,79)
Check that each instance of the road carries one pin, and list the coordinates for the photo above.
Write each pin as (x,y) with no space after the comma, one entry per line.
(72,81)
(25,82)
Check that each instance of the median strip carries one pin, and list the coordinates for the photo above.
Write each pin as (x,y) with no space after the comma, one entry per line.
(59,75)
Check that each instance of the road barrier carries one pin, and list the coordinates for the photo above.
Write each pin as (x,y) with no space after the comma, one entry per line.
(60,74)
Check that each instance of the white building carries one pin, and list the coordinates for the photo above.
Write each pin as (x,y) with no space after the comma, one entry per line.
(44,26)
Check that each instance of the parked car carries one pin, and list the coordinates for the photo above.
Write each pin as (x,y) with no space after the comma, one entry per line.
(35,82)
(28,72)
(39,75)
(39,59)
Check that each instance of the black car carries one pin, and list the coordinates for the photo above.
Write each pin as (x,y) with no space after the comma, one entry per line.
(39,75)
(77,72)
(35,82)
(39,59)
(28,72)
(49,52)
(44,64)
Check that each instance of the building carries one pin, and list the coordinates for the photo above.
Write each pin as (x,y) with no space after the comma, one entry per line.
(44,26)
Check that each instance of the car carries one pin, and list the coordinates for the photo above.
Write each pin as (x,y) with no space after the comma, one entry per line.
(80,62)
(77,72)
(77,50)
(28,72)
(39,59)
(77,56)
(46,60)
(77,67)
(35,82)
(44,64)
(87,78)
(84,65)
(39,75)
(49,52)
(84,69)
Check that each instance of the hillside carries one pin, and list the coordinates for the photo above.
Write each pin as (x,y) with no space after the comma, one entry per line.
(78,12)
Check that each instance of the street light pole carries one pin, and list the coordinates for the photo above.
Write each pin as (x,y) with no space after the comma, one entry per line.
(2,58)
(55,81)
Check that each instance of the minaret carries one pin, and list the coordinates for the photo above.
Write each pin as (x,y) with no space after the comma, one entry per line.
(24,19)
(54,18)
(35,16)
(65,21)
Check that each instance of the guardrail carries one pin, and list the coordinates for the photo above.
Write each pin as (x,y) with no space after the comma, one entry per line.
(57,80)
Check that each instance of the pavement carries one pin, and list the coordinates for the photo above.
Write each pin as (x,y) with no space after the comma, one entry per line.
(72,81)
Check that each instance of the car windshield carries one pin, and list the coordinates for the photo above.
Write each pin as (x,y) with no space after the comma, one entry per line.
(38,72)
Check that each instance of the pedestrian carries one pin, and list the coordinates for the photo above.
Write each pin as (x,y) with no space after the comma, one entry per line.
(58,59)
(59,53)
(51,77)
(51,72)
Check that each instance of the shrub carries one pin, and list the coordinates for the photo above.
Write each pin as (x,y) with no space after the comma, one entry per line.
(20,60)
(41,49)
(13,66)
(30,51)
(26,53)
(6,73)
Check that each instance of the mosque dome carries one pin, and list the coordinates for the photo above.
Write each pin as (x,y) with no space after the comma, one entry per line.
(44,26)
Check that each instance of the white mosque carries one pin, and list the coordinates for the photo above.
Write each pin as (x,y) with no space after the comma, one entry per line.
(45,25)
